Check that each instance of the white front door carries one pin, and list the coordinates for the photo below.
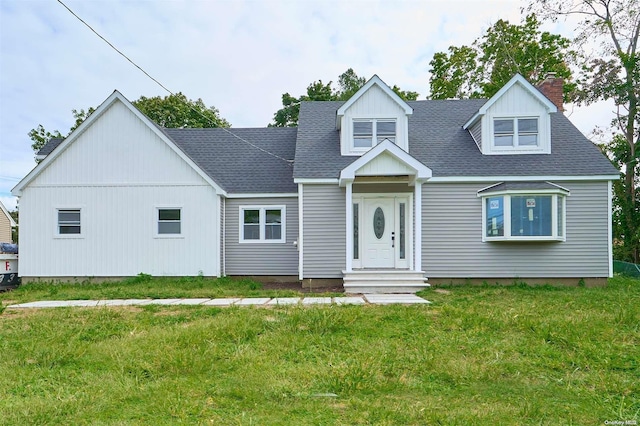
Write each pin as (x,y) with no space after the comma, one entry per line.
(378,228)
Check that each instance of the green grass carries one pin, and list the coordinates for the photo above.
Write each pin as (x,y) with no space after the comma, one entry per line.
(477,355)
(141,287)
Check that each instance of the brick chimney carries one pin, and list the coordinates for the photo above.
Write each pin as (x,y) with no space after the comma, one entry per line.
(551,87)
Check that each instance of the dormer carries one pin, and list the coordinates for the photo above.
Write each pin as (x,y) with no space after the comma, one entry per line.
(375,113)
(515,120)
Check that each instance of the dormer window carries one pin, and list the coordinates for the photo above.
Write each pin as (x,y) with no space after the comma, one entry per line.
(367,133)
(515,132)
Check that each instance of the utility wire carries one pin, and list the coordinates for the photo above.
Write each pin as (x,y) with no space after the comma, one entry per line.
(289,162)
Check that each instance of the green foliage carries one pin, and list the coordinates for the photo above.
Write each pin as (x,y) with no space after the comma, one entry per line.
(179,112)
(481,356)
(39,137)
(611,29)
(14,230)
(480,70)
(348,84)
(173,111)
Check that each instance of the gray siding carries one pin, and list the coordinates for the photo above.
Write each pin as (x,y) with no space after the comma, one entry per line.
(261,258)
(324,231)
(453,247)
(476,133)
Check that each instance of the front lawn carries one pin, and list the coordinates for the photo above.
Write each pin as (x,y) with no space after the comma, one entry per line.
(477,355)
(143,287)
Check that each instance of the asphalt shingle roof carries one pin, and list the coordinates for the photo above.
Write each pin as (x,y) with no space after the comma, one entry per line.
(50,146)
(515,186)
(437,139)
(237,166)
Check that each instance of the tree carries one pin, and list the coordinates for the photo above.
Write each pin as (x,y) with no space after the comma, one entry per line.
(348,84)
(480,70)
(611,73)
(173,111)
(178,112)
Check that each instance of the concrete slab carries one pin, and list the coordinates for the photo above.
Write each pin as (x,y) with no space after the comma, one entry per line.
(253,301)
(56,304)
(124,302)
(349,300)
(316,301)
(284,301)
(221,302)
(387,299)
(163,301)
(191,301)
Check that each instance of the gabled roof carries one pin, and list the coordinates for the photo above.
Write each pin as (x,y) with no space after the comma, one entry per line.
(377,81)
(420,171)
(521,81)
(3,210)
(115,97)
(437,139)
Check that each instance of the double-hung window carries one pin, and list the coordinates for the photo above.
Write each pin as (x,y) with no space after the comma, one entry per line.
(69,222)
(262,224)
(369,132)
(169,221)
(515,133)
(522,216)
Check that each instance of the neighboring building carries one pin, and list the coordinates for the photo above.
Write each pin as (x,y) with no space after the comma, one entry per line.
(6,223)
(375,191)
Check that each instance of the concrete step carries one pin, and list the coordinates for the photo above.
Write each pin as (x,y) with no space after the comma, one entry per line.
(384,281)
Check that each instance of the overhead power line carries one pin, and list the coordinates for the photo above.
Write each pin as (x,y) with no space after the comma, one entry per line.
(290,162)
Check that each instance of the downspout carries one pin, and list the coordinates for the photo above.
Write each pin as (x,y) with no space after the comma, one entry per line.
(224,236)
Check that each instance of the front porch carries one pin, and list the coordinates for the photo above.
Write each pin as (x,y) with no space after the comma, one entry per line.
(383,199)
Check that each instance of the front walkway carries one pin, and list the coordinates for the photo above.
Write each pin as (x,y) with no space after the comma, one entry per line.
(373,299)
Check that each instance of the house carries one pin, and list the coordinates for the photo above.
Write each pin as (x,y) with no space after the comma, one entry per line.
(6,224)
(374,192)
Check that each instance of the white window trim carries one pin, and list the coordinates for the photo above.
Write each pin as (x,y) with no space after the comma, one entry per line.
(374,129)
(506,196)
(517,147)
(263,217)
(544,134)
(57,233)
(156,221)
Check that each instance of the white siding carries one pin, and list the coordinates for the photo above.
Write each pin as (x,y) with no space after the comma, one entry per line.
(324,231)
(516,102)
(118,172)
(374,103)
(118,228)
(453,247)
(261,258)
(384,165)
(118,148)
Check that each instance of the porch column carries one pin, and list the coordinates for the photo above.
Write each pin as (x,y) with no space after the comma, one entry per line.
(418,226)
(349,222)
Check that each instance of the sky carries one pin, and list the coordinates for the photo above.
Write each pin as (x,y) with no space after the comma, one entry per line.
(238,56)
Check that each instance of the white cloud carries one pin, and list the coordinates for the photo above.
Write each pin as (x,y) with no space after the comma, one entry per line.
(239,56)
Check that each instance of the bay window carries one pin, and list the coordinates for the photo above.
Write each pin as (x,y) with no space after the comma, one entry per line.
(524,216)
